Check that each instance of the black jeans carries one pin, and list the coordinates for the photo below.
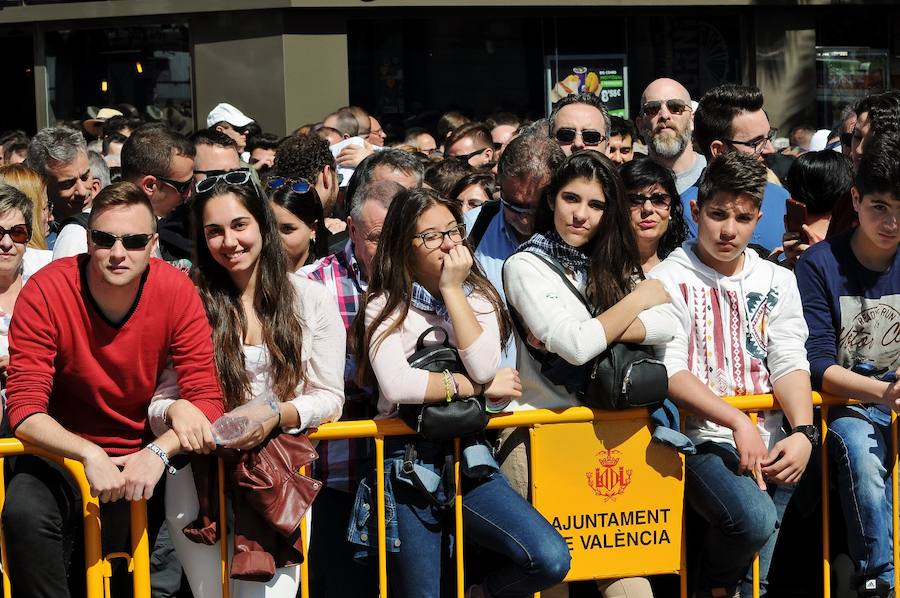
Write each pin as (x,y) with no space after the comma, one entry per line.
(43,526)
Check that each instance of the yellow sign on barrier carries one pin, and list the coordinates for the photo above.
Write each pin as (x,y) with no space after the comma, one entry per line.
(613,495)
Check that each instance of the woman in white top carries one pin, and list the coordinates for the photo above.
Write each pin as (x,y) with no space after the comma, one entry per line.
(275,334)
(32,185)
(423,276)
(584,226)
(15,228)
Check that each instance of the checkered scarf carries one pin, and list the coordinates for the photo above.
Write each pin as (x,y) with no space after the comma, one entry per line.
(551,245)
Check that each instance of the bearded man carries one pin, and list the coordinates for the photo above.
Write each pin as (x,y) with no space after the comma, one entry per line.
(666,123)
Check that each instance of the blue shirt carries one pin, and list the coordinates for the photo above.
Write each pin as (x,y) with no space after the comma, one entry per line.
(770,228)
(498,243)
(853,313)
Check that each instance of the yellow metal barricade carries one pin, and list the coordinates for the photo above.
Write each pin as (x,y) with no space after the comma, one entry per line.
(97,567)
(138,562)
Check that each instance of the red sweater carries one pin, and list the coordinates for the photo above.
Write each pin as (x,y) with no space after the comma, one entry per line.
(94,378)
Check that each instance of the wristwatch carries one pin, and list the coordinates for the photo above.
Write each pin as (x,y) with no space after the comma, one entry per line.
(811,433)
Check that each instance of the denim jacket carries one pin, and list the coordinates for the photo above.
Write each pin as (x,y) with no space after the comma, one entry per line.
(477,462)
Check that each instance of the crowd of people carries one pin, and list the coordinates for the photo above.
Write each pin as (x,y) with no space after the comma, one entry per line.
(165,298)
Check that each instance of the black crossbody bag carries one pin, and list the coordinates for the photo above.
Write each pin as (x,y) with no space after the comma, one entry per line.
(624,376)
(442,421)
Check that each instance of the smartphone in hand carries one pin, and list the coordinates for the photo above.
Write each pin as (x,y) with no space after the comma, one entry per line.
(796,218)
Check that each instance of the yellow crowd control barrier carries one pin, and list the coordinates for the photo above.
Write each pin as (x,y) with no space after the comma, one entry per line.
(97,566)
(98,569)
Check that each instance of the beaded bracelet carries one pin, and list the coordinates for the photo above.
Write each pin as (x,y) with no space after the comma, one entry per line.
(449,383)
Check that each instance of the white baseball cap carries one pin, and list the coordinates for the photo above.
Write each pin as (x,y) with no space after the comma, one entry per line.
(227,113)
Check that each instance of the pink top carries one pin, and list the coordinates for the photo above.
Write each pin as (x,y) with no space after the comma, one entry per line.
(397,381)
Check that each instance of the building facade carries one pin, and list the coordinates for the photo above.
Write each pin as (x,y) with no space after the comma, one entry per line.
(287,63)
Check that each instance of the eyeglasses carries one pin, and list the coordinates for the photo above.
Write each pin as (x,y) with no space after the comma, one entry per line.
(434,239)
(589,137)
(182,187)
(517,209)
(467,157)
(295,185)
(657,200)
(232,177)
(19,233)
(757,145)
(674,106)
(133,242)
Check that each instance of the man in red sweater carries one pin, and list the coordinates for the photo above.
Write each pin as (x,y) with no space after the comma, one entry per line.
(90,337)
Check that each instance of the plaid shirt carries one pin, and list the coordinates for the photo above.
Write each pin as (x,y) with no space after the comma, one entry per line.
(339,461)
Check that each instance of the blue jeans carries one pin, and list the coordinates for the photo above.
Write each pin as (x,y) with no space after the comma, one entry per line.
(859,445)
(742,518)
(494,517)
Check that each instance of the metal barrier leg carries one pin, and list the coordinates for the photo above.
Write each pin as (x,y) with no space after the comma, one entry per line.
(382,541)
(90,511)
(826,509)
(458,511)
(753,418)
(7,591)
(140,550)
(895,477)
(304,539)
(223,531)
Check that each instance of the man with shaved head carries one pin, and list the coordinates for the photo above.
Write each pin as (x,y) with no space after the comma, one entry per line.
(666,122)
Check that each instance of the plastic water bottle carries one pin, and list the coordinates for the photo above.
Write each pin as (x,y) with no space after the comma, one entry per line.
(229,428)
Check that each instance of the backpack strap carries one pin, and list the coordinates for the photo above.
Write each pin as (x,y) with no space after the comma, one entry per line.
(485,217)
(542,357)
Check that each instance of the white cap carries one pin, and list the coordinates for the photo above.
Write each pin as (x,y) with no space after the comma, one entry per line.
(227,113)
(819,140)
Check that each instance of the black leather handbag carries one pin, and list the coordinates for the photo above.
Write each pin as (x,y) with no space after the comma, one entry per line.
(442,421)
(625,375)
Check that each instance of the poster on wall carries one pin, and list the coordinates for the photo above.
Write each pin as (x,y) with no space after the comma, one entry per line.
(845,75)
(605,75)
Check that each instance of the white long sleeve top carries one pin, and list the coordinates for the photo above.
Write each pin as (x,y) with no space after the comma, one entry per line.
(559,319)
(398,382)
(318,400)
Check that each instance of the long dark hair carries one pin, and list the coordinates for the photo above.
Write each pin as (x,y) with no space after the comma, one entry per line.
(308,208)
(612,249)
(642,173)
(392,275)
(275,302)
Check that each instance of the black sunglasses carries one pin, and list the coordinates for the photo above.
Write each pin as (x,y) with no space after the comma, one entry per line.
(133,242)
(657,200)
(232,177)
(183,187)
(295,185)
(19,233)
(674,106)
(467,157)
(589,137)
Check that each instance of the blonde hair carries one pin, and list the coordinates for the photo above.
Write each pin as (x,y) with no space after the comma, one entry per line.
(30,183)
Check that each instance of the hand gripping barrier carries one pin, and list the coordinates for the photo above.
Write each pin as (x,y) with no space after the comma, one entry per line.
(98,569)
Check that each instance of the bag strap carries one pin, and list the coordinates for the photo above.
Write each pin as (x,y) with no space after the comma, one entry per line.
(420,344)
(557,267)
(485,217)
(447,477)
(542,356)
